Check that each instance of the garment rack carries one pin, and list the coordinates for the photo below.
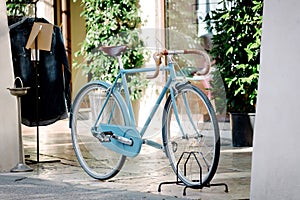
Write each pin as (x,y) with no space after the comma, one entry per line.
(36,65)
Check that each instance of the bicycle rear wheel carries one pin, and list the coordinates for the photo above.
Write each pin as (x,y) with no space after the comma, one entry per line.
(97,161)
(193,145)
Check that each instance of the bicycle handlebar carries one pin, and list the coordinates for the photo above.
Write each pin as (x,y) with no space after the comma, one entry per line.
(206,69)
(157,58)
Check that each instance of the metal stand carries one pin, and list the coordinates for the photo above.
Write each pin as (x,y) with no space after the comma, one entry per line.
(200,186)
(18,92)
(35,58)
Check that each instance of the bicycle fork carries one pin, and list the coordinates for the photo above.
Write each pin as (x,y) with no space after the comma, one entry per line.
(187,109)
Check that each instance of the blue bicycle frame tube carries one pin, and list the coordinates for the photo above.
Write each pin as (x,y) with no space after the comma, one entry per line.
(188,110)
(157,103)
(106,99)
(127,97)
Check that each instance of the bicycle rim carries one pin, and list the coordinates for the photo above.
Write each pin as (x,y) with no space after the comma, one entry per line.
(97,161)
(193,147)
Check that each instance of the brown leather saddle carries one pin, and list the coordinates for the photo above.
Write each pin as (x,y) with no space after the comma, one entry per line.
(113,50)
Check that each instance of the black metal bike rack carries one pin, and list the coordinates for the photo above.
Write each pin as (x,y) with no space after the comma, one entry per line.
(179,182)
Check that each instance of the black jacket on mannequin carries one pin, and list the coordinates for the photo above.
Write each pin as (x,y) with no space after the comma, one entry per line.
(48,98)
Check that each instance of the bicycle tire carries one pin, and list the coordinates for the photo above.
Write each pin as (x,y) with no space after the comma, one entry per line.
(194,169)
(96,160)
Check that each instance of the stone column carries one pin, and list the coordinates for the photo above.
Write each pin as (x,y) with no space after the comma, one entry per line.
(9,154)
(276,153)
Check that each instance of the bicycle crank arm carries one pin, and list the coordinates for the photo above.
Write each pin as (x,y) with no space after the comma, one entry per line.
(122,139)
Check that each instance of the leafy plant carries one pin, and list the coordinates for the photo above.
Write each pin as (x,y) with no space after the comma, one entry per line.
(112,22)
(236,38)
(18,7)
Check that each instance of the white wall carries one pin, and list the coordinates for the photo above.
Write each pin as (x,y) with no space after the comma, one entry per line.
(8,107)
(45,10)
(276,155)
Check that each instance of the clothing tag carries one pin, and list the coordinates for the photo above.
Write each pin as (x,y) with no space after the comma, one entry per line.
(42,34)
(35,55)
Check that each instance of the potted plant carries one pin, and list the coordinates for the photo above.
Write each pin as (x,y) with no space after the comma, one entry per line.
(236,29)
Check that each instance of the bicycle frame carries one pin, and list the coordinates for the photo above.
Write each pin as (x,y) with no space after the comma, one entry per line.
(135,137)
(122,75)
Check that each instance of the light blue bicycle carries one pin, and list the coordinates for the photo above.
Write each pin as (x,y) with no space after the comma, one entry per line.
(104,132)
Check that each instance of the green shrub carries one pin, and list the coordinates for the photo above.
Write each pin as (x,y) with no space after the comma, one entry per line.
(112,22)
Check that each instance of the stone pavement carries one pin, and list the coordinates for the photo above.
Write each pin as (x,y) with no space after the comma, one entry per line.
(59,176)
(24,187)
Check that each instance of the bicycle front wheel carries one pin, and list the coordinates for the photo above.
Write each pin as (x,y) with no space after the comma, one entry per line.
(97,161)
(191,138)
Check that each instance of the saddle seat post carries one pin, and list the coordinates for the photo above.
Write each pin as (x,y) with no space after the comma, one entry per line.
(125,87)
(119,57)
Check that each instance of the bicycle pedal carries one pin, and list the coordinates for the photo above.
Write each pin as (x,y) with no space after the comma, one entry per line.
(103,136)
